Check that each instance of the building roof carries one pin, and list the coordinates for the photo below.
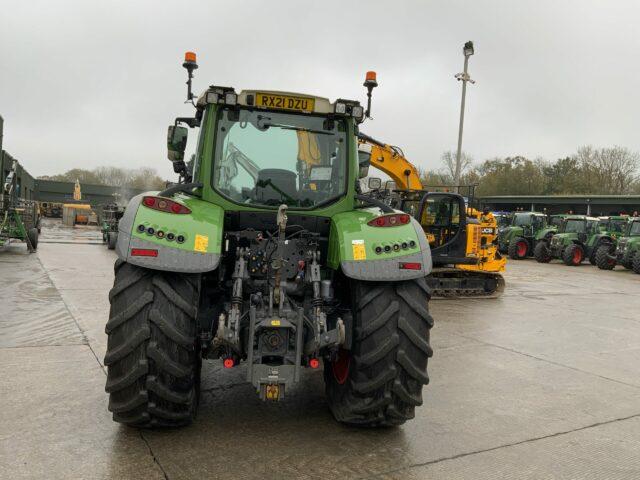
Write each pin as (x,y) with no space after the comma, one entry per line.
(563,199)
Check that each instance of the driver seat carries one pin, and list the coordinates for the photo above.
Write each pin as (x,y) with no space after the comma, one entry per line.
(272,183)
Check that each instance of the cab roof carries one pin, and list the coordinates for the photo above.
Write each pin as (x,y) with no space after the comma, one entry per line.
(581,217)
(539,214)
(249,98)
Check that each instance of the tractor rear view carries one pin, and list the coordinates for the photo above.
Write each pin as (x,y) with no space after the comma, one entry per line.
(266,254)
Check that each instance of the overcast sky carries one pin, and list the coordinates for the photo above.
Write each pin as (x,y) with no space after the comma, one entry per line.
(88,83)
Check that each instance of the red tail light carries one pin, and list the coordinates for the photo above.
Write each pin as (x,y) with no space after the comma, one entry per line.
(165,205)
(314,363)
(392,220)
(144,252)
(228,362)
(410,266)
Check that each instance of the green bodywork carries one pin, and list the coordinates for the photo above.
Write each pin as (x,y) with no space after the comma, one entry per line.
(350,227)
(205,219)
(12,227)
(17,218)
(628,246)
(203,229)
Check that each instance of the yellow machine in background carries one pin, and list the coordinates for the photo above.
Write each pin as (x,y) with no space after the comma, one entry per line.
(467,262)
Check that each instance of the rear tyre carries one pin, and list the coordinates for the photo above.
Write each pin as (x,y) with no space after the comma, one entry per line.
(603,260)
(112,239)
(636,263)
(152,355)
(628,262)
(518,248)
(379,382)
(32,233)
(542,253)
(573,255)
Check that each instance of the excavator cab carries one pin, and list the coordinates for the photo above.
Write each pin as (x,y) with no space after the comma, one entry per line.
(442,217)
(462,238)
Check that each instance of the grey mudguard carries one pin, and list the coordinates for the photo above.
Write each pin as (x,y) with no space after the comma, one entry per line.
(389,269)
(168,259)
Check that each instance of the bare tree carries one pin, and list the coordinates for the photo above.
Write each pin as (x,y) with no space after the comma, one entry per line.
(608,170)
(449,162)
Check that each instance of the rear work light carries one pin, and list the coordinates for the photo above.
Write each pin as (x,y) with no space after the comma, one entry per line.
(410,266)
(144,252)
(392,220)
(165,205)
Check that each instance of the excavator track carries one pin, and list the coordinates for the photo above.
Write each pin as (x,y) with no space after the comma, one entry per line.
(451,283)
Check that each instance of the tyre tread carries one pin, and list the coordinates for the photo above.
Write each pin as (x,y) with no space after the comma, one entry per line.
(389,358)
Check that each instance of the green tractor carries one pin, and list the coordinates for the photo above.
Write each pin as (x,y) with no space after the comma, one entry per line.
(541,250)
(266,253)
(625,252)
(109,218)
(503,220)
(578,238)
(527,229)
(19,218)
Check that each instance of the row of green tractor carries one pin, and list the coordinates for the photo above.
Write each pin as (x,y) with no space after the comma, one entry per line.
(604,241)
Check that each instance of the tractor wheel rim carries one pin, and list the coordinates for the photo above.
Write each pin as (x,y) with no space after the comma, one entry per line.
(577,256)
(340,366)
(522,249)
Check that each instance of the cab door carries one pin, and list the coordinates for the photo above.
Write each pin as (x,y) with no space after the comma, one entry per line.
(443,218)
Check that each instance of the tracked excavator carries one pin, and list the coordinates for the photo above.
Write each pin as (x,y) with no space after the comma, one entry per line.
(463,239)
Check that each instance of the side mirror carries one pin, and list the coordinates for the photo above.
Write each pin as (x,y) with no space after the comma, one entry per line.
(374,183)
(364,160)
(176,142)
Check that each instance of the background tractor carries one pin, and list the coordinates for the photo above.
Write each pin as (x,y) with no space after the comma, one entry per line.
(266,253)
(625,250)
(503,220)
(520,239)
(19,218)
(109,219)
(578,238)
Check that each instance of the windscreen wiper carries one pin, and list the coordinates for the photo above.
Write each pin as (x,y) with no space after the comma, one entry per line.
(298,129)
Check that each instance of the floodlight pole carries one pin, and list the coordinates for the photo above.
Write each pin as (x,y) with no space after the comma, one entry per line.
(464,78)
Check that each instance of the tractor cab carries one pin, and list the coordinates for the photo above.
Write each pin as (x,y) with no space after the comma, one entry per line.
(531,221)
(633,228)
(614,225)
(579,225)
(503,219)
(268,148)
(556,220)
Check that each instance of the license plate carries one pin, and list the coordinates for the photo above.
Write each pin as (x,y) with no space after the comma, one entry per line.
(285,102)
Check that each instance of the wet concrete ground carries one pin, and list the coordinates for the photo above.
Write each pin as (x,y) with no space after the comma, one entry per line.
(541,383)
